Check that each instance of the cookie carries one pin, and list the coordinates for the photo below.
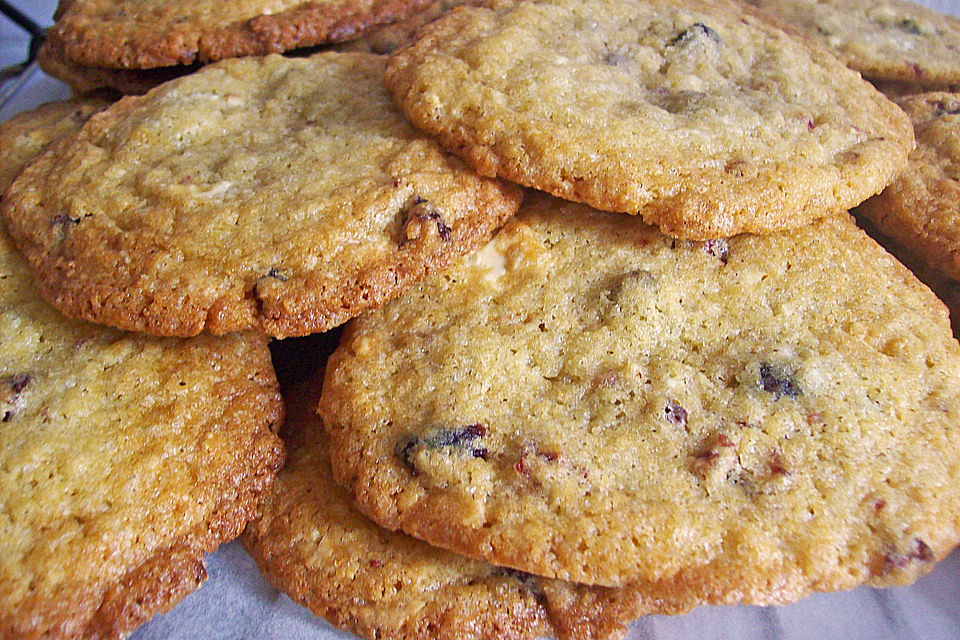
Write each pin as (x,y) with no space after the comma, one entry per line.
(123,459)
(143,34)
(284,195)
(24,136)
(696,115)
(945,288)
(312,544)
(86,79)
(589,400)
(389,38)
(885,40)
(921,209)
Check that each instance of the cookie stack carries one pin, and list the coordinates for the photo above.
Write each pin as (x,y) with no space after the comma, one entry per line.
(677,373)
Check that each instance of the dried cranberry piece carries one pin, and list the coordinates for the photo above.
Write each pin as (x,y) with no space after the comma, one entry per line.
(675,414)
(529,581)
(276,274)
(777,383)
(420,211)
(16,384)
(62,219)
(923,553)
(941,108)
(908,25)
(694,32)
(460,438)
(718,248)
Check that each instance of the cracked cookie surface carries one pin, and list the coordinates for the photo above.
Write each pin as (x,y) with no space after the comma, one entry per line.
(885,40)
(284,195)
(699,116)
(143,34)
(123,458)
(590,400)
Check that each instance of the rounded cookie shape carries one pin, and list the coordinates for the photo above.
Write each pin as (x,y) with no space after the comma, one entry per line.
(85,79)
(945,287)
(885,40)
(123,458)
(590,400)
(921,209)
(311,543)
(24,136)
(143,34)
(285,195)
(388,38)
(699,116)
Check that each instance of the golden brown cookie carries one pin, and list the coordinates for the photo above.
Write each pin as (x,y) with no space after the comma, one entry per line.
(24,136)
(921,209)
(284,195)
(946,288)
(885,40)
(590,400)
(389,38)
(123,459)
(86,79)
(313,545)
(142,34)
(699,116)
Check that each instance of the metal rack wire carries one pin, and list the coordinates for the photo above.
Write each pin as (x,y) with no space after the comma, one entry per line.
(13,77)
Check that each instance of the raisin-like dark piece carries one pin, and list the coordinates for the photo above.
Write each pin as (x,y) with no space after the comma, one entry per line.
(460,438)
(694,32)
(909,26)
(276,274)
(896,560)
(941,108)
(719,249)
(419,212)
(18,383)
(14,384)
(529,581)
(777,465)
(675,414)
(62,219)
(777,383)
(923,552)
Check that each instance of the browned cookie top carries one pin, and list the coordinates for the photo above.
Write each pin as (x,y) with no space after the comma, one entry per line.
(142,34)
(921,209)
(85,79)
(312,544)
(285,195)
(886,40)
(699,116)
(123,458)
(590,400)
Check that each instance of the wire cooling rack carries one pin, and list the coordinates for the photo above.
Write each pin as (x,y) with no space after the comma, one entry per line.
(14,76)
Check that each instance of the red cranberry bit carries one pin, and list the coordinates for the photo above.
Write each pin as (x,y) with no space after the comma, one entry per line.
(675,414)
(777,383)
(718,248)
(777,465)
(923,552)
(460,438)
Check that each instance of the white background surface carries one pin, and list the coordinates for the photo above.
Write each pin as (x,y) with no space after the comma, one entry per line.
(237,603)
